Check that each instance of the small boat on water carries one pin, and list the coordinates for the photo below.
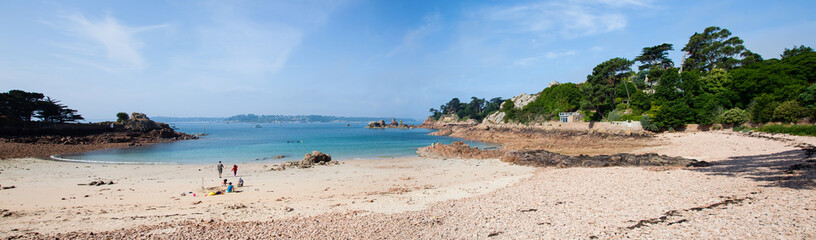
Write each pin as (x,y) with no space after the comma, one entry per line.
(258,126)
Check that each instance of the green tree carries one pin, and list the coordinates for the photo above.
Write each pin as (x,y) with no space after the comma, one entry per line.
(20,105)
(749,58)
(51,110)
(641,101)
(604,79)
(796,51)
(668,87)
(716,81)
(552,100)
(122,116)
(713,48)
(706,108)
(674,114)
(782,79)
(509,109)
(492,105)
(453,106)
(808,97)
(655,56)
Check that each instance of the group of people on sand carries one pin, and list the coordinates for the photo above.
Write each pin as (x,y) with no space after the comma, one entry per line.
(229,186)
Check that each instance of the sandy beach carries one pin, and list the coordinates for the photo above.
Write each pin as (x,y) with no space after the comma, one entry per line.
(47,197)
(748,193)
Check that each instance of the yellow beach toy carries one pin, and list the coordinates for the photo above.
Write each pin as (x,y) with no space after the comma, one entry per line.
(211,194)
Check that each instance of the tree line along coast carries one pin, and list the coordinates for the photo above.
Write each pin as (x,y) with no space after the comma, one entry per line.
(718,82)
(57,131)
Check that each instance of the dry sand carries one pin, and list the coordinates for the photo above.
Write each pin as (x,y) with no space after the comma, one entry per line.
(150,194)
(747,195)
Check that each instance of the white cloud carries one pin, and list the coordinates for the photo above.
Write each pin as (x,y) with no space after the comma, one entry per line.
(627,3)
(568,20)
(528,61)
(412,40)
(229,52)
(107,38)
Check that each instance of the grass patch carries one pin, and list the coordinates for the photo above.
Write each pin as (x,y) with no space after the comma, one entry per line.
(801,130)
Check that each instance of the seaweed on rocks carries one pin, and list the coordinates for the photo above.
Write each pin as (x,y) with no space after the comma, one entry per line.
(544,158)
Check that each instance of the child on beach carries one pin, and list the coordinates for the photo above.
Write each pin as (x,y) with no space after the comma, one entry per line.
(240,182)
(225,182)
(234,170)
(220,168)
(230,188)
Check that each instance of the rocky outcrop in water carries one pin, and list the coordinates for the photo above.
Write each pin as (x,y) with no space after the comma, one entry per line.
(393,124)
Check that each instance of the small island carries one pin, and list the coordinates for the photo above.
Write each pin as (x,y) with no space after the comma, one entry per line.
(393,124)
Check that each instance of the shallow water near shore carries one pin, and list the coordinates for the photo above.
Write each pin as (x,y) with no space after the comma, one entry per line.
(243,143)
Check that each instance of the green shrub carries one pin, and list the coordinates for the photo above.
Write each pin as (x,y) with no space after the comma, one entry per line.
(631,117)
(121,117)
(647,123)
(802,130)
(621,106)
(789,111)
(614,116)
(735,116)
(509,108)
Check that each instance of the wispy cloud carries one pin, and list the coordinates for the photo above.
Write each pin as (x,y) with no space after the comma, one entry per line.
(567,20)
(528,61)
(412,40)
(230,52)
(103,38)
(625,3)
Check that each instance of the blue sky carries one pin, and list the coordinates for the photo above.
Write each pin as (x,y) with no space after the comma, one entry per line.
(347,58)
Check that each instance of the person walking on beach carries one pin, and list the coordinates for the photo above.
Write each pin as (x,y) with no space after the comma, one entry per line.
(234,170)
(220,169)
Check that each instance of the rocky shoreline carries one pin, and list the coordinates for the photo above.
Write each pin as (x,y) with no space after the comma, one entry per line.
(516,137)
(544,158)
(136,131)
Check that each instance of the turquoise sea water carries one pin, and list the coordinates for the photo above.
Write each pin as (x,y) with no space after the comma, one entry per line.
(243,143)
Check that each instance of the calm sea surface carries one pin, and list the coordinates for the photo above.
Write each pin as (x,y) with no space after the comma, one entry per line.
(243,143)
